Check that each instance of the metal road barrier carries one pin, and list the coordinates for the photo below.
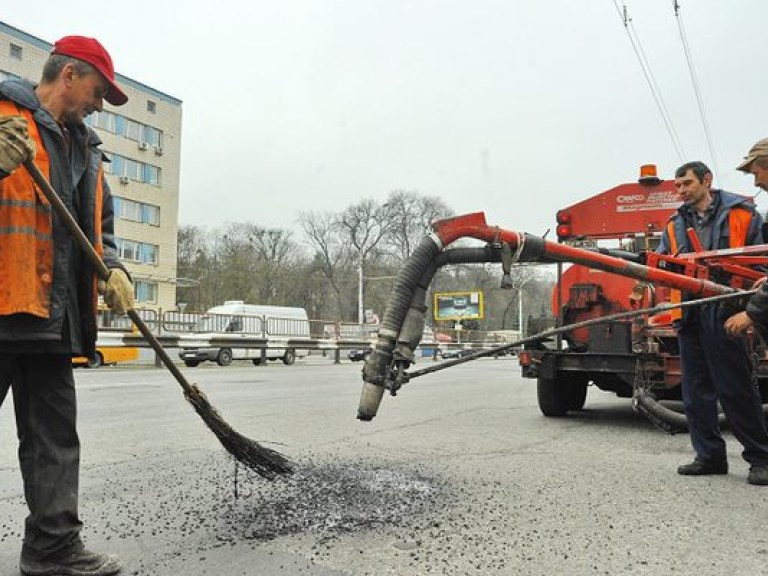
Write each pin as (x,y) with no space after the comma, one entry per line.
(175,329)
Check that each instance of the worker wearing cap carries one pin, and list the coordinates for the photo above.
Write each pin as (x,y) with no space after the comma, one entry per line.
(755,163)
(716,367)
(48,290)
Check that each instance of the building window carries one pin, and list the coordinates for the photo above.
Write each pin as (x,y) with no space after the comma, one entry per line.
(129,210)
(149,254)
(133,169)
(145,291)
(152,175)
(133,130)
(127,249)
(153,136)
(137,251)
(150,214)
(108,163)
(8,76)
(15,52)
(103,120)
(150,106)
(136,211)
(126,127)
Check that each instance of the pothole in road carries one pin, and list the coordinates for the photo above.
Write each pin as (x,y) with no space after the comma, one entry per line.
(327,500)
(195,500)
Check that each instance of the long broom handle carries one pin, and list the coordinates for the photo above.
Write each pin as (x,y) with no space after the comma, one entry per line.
(101,268)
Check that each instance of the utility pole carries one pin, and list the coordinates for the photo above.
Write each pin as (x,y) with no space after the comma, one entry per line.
(360,308)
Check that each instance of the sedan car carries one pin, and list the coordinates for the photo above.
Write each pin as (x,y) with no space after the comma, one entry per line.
(457,353)
(358,354)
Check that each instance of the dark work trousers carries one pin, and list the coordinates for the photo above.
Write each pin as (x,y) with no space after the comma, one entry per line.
(49,450)
(718,367)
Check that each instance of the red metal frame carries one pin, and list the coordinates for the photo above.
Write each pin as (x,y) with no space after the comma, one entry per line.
(696,267)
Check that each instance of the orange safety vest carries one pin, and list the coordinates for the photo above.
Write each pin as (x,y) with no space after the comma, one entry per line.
(26,232)
(738,224)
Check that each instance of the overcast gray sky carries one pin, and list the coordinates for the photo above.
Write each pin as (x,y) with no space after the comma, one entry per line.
(516,108)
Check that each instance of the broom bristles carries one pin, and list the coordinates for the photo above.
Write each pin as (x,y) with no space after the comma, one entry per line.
(265,462)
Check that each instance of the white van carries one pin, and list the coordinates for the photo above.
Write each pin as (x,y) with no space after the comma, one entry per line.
(237,317)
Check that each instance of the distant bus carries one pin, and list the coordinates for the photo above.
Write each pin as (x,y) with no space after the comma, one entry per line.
(108,356)
(110,349)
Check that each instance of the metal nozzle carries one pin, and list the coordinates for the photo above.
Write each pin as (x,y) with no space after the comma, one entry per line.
(370,398)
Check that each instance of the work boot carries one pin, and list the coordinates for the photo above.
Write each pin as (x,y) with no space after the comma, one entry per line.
(703,468)
(72,561)
(758,475)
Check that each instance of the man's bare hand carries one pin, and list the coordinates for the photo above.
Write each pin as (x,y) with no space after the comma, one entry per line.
(738,324)
(759,282)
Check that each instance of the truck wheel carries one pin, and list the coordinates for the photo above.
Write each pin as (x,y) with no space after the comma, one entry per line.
(552,400)
(225,357)
(256,361)
(576,391)
(191,363)
(289,357)
(97,362)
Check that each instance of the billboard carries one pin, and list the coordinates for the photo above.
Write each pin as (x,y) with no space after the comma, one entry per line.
(458,305)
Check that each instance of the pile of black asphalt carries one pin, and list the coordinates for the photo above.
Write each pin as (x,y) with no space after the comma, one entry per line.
(210,502)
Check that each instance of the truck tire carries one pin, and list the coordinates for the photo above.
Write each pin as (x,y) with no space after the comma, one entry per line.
(576,392)
(256,361)
(289,357)
(191,363)
(552,401)
(225,357)
(97,362)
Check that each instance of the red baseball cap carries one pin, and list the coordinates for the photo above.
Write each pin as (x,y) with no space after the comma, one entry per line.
(91,51)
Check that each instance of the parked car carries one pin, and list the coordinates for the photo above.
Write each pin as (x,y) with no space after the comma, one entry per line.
(457,353)
(358,354)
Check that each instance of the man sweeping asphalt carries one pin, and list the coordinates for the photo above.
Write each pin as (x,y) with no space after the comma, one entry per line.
(48,291)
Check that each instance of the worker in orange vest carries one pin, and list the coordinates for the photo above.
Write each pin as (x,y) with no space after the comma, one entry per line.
(716,367)
(48,290)
(755,163)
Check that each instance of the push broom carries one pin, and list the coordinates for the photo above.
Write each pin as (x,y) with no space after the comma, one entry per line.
(264,461)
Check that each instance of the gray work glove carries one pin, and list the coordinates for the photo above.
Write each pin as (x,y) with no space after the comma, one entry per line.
(15,144)
(117,291)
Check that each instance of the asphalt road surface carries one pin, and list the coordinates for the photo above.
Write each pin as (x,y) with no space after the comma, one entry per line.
(459,474)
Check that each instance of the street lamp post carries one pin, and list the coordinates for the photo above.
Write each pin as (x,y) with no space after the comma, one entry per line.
(360,310)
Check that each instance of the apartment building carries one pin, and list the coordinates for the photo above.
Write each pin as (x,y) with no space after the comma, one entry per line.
(143,141)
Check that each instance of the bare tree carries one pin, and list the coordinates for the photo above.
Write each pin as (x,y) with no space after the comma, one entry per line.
(199,266)
(331,253)
(277,255)
(364,225)
(409,215)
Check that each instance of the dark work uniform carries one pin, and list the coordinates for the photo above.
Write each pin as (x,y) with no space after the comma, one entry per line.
(36,352)
(716,366)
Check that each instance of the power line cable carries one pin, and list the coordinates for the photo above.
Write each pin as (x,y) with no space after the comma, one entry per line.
(658,91)
(650,79)
(695,83)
